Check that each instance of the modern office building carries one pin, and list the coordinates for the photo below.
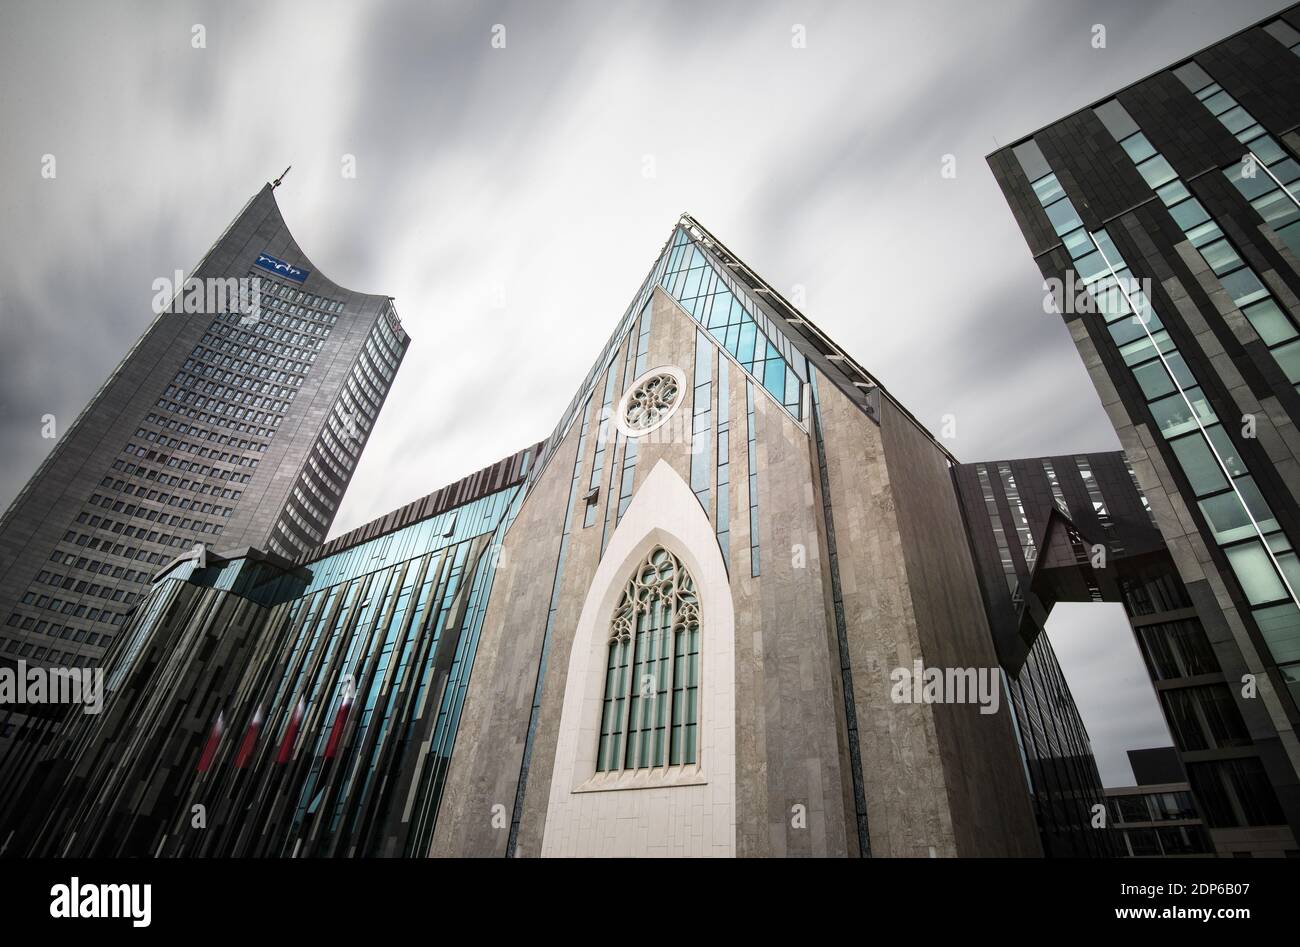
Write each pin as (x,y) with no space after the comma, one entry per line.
(1009,521)
(309,709)
(1036,526)
(236,419)
(1076,528)
(1165,221)
(728,607)
(1157,816)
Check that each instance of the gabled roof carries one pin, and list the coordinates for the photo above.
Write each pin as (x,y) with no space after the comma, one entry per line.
(848,375)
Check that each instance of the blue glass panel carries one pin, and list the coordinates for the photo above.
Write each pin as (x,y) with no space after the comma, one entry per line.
(1236,119)
(1244,286)
(1286,170)
(703,291)
(745,350)
(1267,150)
(1130,329)
(1189,214)
(1219,102)
(691,288)
(1204,234)
(1063,216)
(1156,171)
(1251,186)
(1221,257)
(1138,148)
(1091,266)
(1048,189)
(774,374)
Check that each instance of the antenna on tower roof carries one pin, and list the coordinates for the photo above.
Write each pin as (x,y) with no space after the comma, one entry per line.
(276,182)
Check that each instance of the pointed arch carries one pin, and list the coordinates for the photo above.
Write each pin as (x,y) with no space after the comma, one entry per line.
(664,552)
(650,704)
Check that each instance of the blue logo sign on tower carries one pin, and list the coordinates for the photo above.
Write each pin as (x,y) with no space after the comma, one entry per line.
(280,268)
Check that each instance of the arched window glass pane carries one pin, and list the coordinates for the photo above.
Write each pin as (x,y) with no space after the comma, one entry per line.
(649,711)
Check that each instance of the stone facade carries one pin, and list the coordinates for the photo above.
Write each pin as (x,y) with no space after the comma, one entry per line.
(940,779)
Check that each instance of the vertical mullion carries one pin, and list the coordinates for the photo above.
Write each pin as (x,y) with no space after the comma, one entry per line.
(691,694)
(666,637)
(675,728)
(648,703)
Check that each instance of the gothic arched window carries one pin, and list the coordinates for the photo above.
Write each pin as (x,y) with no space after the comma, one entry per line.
(650,711)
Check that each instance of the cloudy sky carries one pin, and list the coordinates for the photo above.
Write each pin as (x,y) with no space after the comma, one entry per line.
(511,200)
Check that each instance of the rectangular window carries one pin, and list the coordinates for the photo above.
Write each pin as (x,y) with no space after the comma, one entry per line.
(1204,718)
(1235,792)
(1177,649)
(702,421)
(1280,626)
(1254,570)
(1174,417)
(723,514)
(1198,463)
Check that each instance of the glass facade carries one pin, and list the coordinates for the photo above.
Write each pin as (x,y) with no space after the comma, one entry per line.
(325,697)
(1267,175)
(1157,822)
(702,435)
(1057,754)
(1234,792)
(1247,291)
(717,301)
(1259,553)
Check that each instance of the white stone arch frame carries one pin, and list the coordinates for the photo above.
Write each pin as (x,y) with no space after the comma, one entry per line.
(685,809)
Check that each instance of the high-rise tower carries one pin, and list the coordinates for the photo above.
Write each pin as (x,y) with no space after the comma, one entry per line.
(236,419)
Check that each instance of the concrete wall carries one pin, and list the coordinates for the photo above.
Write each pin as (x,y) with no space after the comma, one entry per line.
(774,777)
(940,779)
(991,812)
